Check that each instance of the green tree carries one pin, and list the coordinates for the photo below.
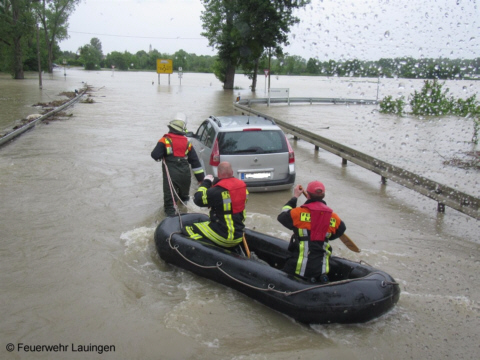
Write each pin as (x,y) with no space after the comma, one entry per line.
(390,106)
(241,31)
(268,23)
(218,25)
(292,65)
(118,60)
(91,55)
(17,28)
(181,59)
(431,100)
(70,57)
(312,66)
(141,59)
(53,15)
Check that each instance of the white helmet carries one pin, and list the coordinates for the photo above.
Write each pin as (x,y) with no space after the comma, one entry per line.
(177,125)
(180,116)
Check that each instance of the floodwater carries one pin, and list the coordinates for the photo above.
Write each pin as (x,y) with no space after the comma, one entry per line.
(81,197)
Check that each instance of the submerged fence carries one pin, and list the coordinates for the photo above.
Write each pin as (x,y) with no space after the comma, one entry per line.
(444,195)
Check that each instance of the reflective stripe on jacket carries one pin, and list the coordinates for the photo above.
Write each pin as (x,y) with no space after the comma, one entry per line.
(311,222)
(226,200)
(176,145)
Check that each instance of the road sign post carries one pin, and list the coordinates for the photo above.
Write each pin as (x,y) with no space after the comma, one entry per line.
(164,66)
(266,75)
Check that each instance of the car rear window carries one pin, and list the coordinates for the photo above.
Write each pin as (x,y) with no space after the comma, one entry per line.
(252,142)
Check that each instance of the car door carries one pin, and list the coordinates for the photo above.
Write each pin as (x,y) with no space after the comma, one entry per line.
(203,142)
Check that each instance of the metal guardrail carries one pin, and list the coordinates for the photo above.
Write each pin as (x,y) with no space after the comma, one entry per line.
(307,100)
(444,195)
(10,136)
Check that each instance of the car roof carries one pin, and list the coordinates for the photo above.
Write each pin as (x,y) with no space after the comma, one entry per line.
(240,122)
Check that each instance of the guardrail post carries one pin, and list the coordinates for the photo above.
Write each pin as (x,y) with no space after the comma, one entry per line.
(384,180)
(344,162)
(441,207)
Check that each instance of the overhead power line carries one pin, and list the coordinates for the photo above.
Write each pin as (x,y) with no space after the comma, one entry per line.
(137,37)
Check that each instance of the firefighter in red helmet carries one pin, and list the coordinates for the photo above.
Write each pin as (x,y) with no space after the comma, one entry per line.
(314,224)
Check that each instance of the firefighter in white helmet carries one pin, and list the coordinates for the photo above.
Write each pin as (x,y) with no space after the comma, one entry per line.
(179,155)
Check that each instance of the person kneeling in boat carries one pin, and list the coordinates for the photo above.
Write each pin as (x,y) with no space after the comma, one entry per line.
(226,197)
(313,225)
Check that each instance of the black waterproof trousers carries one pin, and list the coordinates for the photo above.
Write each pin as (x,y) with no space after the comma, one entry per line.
(179,171)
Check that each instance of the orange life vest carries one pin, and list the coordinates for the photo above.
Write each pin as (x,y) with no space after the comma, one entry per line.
(175,144)
(315,217)
(238,194)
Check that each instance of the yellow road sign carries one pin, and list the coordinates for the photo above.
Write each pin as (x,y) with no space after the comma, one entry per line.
(164,66)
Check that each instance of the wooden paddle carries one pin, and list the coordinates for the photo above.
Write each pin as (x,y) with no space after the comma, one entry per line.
(349,243)
(344,238)
(247,250)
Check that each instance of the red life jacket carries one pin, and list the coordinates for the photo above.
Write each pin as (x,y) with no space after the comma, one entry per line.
(238,193)
(320,215)
(179,144)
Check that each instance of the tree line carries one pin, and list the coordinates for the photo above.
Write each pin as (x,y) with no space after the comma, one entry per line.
(249,36)
(91,57)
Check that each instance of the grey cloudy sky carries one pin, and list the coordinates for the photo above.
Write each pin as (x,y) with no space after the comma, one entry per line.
(329,29)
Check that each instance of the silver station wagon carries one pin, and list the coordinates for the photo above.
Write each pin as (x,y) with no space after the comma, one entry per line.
(256,147)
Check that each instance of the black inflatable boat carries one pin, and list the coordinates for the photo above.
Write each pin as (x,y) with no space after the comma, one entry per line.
(356,293)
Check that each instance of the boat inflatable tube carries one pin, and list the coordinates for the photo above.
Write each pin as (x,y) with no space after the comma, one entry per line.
(356,292)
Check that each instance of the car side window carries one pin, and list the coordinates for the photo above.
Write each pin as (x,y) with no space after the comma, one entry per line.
(210,136)
(202,132)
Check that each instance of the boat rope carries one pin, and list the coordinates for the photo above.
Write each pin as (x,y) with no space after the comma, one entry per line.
(271,287)
(172,192)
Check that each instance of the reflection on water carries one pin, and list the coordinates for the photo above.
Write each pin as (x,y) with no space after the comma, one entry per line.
(81,198)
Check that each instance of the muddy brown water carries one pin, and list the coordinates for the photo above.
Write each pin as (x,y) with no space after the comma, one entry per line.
(81,197)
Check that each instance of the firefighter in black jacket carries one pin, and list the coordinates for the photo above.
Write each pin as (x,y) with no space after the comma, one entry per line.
(226,197)
(178,154)
(313,225)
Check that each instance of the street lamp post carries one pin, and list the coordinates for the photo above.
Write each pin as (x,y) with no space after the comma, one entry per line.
(64,68)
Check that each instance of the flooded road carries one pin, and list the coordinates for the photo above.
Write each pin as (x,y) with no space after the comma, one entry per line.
(81,197)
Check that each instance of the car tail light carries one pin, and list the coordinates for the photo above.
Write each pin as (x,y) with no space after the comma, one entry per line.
(291,154)
(215,155)
(252,129)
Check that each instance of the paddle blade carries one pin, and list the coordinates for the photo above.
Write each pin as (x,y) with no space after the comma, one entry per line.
(349,243)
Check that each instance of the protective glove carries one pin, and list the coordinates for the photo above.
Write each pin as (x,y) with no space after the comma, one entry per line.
(209,178)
